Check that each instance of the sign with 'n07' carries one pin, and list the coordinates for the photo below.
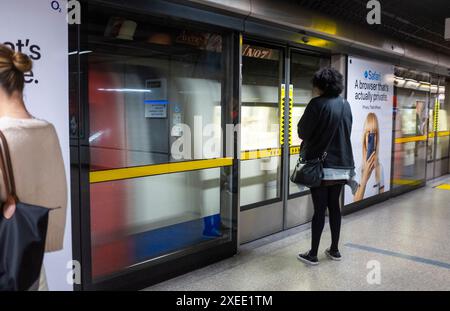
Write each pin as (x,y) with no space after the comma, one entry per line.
(259,52)
(39,29)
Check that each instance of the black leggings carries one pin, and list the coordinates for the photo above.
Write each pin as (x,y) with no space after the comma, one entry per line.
(323,197)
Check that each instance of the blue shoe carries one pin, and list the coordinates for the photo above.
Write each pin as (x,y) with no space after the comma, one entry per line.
(212,226)
(212,233)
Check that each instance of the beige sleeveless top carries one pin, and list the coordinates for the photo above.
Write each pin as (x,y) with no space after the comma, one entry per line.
(39,172)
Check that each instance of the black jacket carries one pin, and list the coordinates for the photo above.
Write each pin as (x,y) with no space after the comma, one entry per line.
(316,129)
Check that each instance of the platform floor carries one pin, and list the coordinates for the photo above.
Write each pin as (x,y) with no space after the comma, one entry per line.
(400,244)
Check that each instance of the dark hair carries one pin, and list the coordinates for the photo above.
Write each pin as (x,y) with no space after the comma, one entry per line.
(13,65)
(329,81)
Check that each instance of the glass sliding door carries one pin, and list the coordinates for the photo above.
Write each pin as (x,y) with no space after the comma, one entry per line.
(262,78)
(303,66)
(298,207)
(261,166)
(422,133)
(439,135)
(442,131)
(160,186)
(411,113)
(270,145)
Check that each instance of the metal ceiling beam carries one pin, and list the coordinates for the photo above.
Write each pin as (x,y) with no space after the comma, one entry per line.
(297,19)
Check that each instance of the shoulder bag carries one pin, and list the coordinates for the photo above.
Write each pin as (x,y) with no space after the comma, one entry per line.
(310,172)
(22,237)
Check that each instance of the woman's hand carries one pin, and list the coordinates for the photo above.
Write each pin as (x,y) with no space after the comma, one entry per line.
(367,169)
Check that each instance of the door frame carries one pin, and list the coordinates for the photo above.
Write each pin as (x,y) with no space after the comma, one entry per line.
(254,222)
(434,132)
(283,49)
(255,210)
(155,270)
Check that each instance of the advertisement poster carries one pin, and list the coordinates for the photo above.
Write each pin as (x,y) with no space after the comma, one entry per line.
(39,30)
(370,94)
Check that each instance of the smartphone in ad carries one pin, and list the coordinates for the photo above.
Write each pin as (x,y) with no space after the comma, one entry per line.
(371,145)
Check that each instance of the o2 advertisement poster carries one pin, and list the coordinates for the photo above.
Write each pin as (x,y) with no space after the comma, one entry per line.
(37,29)
(370,94)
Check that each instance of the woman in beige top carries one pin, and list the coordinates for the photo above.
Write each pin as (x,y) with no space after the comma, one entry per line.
(35,151)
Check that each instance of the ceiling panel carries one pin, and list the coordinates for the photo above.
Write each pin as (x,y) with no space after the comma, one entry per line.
(419,22)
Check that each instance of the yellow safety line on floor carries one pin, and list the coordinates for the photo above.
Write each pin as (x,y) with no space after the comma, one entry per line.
(444,187)
(157,169)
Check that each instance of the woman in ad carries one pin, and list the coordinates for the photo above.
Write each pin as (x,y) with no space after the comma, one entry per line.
(36,158)
(371,175)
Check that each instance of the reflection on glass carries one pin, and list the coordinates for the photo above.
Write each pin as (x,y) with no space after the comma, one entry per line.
(438,142)
(442,147)
(412,117)
(303,68)
(260,128)
(150,86)
(430,144)
(261,80)
(260,98)
(259,180)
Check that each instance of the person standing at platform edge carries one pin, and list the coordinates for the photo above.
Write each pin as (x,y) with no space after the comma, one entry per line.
(36,156)
(327,121)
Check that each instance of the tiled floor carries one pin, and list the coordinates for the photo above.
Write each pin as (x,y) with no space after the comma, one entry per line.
(401,244)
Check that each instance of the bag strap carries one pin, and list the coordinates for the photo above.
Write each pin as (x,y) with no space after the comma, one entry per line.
(341,116)
(6,166)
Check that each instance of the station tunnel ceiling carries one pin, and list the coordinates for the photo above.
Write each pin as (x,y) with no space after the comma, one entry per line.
(416,21)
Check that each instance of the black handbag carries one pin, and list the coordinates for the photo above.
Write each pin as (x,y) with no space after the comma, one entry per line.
(310,172)
(22,237)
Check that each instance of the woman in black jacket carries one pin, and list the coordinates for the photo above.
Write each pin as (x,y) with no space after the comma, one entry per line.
(327,120)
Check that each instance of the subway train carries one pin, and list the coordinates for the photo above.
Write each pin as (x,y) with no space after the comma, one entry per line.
(184,127)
